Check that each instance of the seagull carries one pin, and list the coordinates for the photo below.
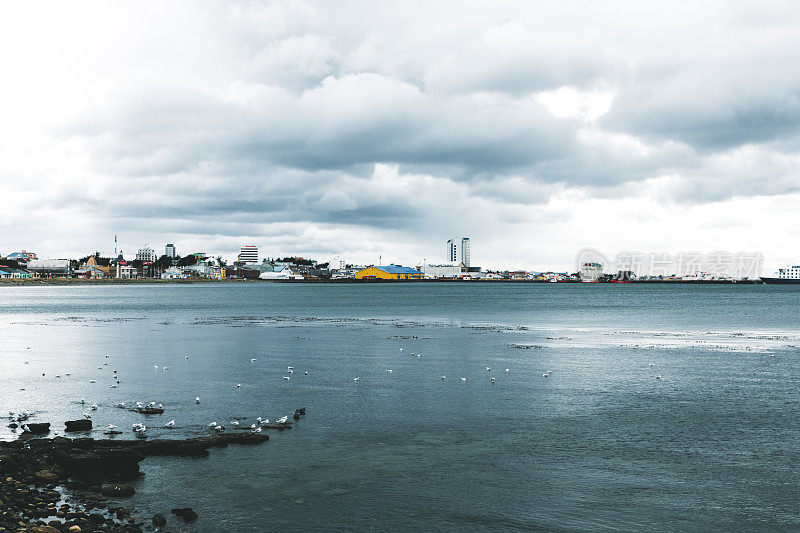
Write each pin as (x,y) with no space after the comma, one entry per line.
(507,369)
(412,354)
(187,357)
(238,385)
(107,357)
(82,401)
(463,379)
(87,416)
(197,399)
(286,378)
(121,405)
(306,372)
(658,376)
(170,424)
(257,430)
(253,359)
(282,420)
(444,377)
(258,419)
(651,364)
(389,370)
(155,366)
(235,423)
(212,425)
(291,371)
(165,368)
(401,349)
(546,374)
(492,380)
(90,381)
(355,379)
(289,368)
(488,368)
(113,386)
(112,426)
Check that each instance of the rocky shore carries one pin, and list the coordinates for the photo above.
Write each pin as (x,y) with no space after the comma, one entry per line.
(72,485)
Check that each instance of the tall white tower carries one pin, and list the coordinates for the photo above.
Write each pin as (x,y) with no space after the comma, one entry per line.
(465,251)
(452,253)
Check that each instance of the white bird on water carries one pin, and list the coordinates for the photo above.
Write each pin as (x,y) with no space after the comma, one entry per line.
(253,359)
(235,422)
(492,380)
(356,379)
(197,399)
(238,385)
(389,370)
(155,366)
(488,368)
(463,379)
(306,372)
(83,401)
(94,407)
(170,424)
(444,377)
(187,357)
(507,369)
(286,378)
(282,420)
(121,405)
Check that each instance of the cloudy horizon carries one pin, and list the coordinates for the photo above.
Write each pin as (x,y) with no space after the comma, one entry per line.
(366,130)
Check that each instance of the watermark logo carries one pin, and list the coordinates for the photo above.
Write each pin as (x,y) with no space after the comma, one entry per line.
(684,265)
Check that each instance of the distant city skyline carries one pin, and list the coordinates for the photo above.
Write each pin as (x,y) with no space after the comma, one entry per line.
(538,129)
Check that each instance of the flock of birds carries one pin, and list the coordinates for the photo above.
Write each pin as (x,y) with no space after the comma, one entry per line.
(140,429)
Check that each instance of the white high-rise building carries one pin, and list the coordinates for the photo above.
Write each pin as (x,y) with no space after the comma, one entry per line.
(169,251)
(146,255)
(452,251)
(465,251)
(248,254)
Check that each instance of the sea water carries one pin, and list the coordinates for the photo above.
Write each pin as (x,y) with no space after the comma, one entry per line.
(623,407)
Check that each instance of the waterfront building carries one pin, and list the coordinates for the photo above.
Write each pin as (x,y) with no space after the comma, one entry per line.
(452,251)
(445,271)
(465,251)
(146,255)
(388,272)
(173,273)
(50,268)
(591,271)
(23,257)
(248,254)
(169,251)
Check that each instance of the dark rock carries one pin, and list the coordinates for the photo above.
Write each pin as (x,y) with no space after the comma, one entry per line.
(118,491)
(37,428)
(186,513)
(159,520)
(78,425)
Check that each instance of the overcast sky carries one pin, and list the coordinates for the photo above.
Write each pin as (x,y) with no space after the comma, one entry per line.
(359,129)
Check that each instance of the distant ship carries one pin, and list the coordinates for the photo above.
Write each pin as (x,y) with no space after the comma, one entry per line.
(788,275)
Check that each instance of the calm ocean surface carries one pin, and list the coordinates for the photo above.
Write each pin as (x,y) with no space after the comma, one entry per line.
(599,445)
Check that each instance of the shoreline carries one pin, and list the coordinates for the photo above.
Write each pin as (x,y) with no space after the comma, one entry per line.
(44,282)
(73,485)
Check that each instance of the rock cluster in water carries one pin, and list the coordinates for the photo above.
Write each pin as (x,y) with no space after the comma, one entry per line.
(31,471)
